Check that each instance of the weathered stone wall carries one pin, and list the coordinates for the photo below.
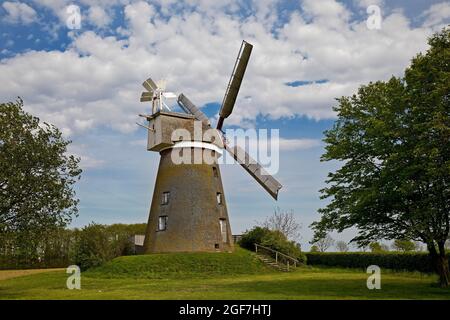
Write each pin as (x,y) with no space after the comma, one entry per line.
(193,213)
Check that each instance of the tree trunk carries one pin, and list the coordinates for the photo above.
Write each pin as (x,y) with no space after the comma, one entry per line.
(443,270)
(442,264)
(440,261)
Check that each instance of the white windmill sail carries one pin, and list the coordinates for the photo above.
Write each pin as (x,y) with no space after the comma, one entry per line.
(189,107)
(156,94)
(250,165)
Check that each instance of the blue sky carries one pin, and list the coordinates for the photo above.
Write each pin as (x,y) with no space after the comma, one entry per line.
(306,53)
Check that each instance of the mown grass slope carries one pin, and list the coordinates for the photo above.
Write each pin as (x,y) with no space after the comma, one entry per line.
(304,283)
(238,275)
(184,265)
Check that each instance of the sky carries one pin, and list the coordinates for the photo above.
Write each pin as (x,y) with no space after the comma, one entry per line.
(86,79)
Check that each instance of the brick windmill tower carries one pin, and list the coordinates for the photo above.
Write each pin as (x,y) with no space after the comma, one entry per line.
(188,211)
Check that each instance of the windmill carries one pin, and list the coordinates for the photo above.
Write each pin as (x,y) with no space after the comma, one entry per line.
(156,94)
(188,210)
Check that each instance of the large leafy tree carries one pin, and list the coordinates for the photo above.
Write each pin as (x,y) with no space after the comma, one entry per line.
(393,139)
(36,178)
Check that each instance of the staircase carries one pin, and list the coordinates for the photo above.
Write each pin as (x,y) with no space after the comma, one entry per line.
(275,259)
(271,263)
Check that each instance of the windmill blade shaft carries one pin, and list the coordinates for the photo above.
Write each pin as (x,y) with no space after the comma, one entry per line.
(235,82)
(189,107)
(250,165)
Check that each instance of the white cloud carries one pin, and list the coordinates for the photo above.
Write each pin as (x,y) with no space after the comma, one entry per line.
(57,6)
(327,13)
(99,17)
(18,12)
(367,3)
(298,144)
(96,12)
(87,161)
(437,16)
(96,81)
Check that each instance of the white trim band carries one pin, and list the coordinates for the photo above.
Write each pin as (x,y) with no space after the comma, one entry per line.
(195,144)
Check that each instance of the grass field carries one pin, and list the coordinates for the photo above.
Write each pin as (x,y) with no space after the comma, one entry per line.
(217,276)
(8,274)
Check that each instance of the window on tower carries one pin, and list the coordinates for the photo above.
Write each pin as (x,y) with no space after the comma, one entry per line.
(219,198)
(162,223)
(165,198)
(223,229)
(216,175)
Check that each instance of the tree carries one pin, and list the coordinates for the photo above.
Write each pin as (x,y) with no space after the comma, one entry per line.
(342,246)
(375,247)
(283,221)
(121,233)
(314,248)
(94,246)
(403,245)
(360,247)
(378,247)
(36,178)
(324,243)
(393,139)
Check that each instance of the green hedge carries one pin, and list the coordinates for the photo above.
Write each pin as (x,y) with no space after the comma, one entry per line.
(390,260)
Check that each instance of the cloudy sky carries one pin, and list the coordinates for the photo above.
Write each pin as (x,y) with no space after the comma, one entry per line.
(306,53)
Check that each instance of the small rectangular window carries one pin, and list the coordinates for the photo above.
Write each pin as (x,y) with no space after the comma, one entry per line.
(162,223)
(165,198)
(223,229)
(219,198)
(216,175)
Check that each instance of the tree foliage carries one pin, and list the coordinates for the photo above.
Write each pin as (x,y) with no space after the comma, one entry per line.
(36,178)
(376,247)
(88,247)
(404,245)
(273,239)
(393,139)
(37,175)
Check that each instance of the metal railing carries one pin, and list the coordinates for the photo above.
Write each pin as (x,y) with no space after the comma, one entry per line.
(278,256)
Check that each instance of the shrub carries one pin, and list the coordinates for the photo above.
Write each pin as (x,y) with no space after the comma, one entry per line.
(255,235)
(390,260)
(272,239)
(61,247)
(93,247)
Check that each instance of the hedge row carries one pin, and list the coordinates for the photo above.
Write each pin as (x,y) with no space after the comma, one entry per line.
(396,261)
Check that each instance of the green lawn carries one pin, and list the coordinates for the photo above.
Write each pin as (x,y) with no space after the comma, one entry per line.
(209,276)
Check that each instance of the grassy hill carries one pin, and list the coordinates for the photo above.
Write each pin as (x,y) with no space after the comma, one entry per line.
(185,265)
(238,275)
